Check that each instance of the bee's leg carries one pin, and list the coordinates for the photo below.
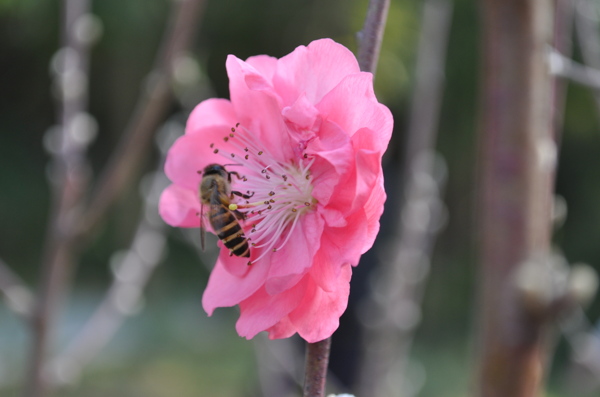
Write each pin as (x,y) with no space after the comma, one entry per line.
(240,194)
(234,173)
(239,214)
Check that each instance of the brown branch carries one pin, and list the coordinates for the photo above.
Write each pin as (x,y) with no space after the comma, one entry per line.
(317,360)
(518,158)
(69,181)
(150,110)
(370,37)
(400,284)
(123,296)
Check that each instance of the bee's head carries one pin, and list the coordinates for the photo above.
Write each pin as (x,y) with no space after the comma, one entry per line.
(215,169)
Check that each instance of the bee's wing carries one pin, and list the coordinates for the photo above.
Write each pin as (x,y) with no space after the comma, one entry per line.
(202,230)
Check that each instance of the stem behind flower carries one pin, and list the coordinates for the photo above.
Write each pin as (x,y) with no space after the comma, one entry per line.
(317,359)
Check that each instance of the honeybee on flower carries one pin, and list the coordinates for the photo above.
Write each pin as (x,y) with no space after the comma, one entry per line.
(307,135)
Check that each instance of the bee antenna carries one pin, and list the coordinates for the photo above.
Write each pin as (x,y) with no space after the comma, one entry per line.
(227,165)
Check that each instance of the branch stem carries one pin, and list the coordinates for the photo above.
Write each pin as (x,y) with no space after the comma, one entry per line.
(317,360)
(371,36)
(151,108)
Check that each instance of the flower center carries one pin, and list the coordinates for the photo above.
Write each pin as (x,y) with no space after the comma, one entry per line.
(273,196)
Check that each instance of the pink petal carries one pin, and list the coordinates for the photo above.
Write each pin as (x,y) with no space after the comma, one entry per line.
(295,258)
(352,105)
(212,112)
(283,329)
(340,246)
(234,265)
(179,207)
(264,64)
(313,70)
(302,115)
(352,192)
(258,107)
(192,152)
(318,315)
(373,210)
(261,311)
(225,289)
(334,158)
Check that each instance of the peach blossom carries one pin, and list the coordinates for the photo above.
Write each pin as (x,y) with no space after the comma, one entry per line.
(307,134)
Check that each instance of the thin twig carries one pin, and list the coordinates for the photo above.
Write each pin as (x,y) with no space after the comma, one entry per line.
(400,283)
(564,67)
(317,354)
(17,295)
(371,36)
(130,278)
(149,111)
(317,360)
(69,181)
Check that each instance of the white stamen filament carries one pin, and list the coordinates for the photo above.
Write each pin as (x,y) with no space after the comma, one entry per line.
(279,193)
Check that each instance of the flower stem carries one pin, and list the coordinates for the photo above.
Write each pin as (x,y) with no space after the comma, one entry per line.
(317,359)
(370,37)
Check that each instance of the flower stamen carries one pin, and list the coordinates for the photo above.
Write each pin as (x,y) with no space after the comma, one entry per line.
(280,190)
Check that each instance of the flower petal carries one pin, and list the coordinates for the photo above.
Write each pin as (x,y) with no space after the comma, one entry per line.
(191,153)
(339,246)
(283,329)
(179,207)
(373,210)
(334,159)
(313,70)
(295,258)
(352,105)
(258,107)
(212,112)
(318,315)
(225,289)
(261,311)
(264,64)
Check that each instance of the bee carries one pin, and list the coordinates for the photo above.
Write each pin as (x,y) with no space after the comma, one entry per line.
(215,193)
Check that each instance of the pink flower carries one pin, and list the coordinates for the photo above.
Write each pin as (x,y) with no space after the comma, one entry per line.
(308,145)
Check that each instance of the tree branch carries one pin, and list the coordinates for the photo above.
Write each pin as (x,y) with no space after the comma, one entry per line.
(68,181)
(518,160)
(371,36)
(400,284)
(149,111)
(317,360)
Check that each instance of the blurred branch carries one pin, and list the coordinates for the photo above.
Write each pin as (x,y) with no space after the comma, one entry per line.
(395,308)
(132,270)
(371,35)
(564,67)
(68,177)
(152,106)
(518,159)
(70,170)
(17,296)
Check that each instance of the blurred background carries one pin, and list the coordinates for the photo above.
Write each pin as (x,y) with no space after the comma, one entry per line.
(167,346)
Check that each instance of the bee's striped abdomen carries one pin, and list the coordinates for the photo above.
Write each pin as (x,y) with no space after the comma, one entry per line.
(228,229)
